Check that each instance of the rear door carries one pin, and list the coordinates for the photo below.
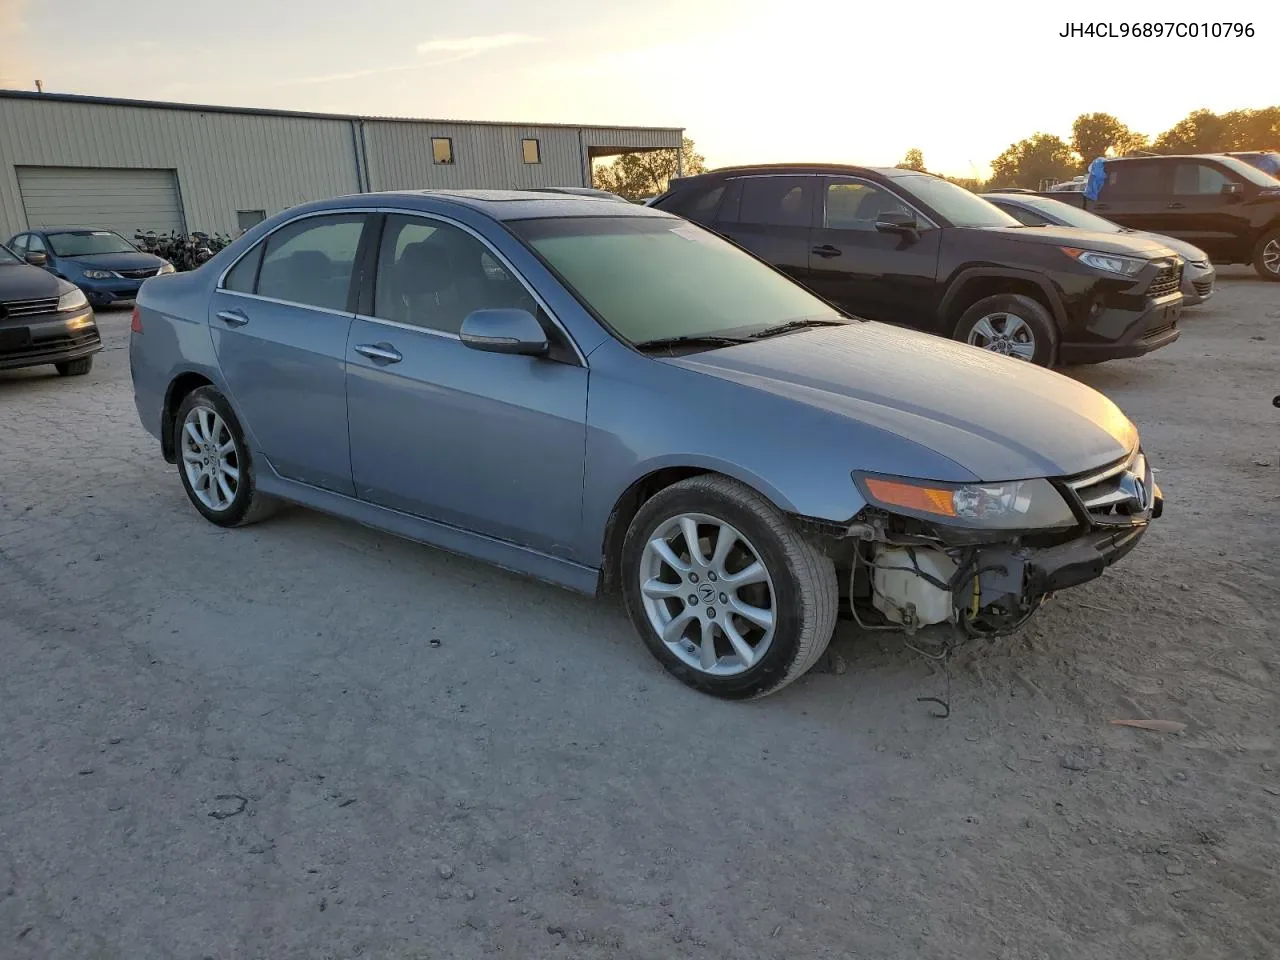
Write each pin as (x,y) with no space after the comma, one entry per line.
(280,321)
(773,217)
(1136,194)
(883,276)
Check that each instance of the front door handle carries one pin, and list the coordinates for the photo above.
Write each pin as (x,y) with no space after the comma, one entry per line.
(1177,206)
(233,318)
(825,250)
(380,352)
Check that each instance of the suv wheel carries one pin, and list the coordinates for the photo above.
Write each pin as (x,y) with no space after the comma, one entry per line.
(1266,258)
(1012,324)
(724,592)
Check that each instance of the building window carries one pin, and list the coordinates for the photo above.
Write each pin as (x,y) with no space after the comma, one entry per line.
(442,149)
(532,152)
(245,219)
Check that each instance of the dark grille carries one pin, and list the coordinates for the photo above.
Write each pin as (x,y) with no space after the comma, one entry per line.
(1203,287)
(1167,281)
(1112,496)
(29,308)
(138,274)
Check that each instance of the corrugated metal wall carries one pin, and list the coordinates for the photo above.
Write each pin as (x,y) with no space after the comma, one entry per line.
(251,161)
(225,162)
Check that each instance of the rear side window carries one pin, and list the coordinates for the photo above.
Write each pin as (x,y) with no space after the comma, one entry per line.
(699,205)
(311,261)
(1135,180)
(777,201)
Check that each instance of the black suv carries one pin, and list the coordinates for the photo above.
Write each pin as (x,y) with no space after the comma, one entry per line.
(914,249)
(1228,208)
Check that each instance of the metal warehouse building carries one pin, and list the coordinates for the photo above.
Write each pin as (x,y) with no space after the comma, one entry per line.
(132,164)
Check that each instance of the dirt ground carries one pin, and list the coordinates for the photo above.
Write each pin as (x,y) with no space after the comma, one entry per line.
(309,740)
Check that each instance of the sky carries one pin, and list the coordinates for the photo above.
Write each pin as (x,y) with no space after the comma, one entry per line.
(752,81)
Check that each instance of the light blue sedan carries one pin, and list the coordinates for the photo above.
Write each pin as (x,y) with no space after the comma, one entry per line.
(608,397)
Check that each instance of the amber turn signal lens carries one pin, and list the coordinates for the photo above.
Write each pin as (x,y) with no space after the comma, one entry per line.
(890,493)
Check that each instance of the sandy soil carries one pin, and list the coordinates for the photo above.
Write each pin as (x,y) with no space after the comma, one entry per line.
(247,744)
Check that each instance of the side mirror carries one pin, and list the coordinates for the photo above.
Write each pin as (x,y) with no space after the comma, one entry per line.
(504,331)
(1233,190)
(903,224)
(38,258)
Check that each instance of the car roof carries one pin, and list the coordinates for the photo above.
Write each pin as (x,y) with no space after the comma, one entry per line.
(794,168)
(503,204)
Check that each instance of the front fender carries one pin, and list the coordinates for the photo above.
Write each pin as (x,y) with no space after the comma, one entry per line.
(962,278)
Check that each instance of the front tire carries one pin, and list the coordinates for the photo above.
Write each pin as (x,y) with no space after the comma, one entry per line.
(214,462)
(74,368)
(1266,256)
(724,592)
(1012,324)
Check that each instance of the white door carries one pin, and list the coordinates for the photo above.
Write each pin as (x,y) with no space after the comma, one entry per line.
(113,199)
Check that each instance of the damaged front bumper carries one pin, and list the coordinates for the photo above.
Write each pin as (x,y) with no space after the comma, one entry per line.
(907,574)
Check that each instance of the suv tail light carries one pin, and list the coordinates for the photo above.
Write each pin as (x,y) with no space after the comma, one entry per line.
(135,322)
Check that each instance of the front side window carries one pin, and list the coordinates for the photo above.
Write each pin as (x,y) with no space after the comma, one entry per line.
(777,201)
(531,150)
(35,244)
(432,274)
(442,149)
(85,243)
(311,261)
(649,278)
(1198,179)
(857,205)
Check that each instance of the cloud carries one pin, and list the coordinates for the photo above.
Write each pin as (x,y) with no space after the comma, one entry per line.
(474,46)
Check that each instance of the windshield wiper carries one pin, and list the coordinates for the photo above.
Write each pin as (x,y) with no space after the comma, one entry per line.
(796,325)
(690,340)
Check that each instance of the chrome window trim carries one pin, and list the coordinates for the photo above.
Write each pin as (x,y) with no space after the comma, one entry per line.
(426,215)
(443,334)
(288,303)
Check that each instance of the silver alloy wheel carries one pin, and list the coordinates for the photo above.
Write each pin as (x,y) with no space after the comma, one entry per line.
(707,594)
(1271,256)
(1004,333)
(210,458)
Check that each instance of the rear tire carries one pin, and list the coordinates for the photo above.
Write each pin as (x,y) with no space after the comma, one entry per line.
(214,462)
(1266,256)
(74,368)
(1012,324)
(785,582)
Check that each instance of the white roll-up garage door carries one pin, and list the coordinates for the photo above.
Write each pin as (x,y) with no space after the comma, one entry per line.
(114,199)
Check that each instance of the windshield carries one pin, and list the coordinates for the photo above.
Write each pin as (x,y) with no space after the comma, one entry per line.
(956,204)
(651,278)
(1070,216)
(83,243)
(1249,172)
(8,256)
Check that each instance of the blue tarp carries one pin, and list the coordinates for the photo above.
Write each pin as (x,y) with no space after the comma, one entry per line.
(1097,177)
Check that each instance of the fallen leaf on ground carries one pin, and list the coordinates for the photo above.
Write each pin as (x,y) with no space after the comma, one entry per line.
(1160,726)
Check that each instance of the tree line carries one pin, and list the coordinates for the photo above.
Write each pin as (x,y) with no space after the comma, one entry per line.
(1045,156)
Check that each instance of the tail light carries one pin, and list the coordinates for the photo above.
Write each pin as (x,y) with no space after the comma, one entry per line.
(135,322)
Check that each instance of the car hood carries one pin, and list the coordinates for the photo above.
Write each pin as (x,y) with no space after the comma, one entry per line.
(997,417)
(1126,244)
(115,261)
(22,281)
(1187,251)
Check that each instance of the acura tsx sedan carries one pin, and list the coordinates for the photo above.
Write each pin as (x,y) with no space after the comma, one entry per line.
(613,399)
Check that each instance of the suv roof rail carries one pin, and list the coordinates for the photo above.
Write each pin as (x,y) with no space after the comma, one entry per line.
(1143,153)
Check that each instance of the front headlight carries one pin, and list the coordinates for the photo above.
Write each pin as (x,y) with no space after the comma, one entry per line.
(166,268)
(98,274)
(73,299)
(1106,262)
(1013,505)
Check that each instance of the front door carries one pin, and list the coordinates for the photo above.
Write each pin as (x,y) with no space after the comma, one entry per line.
(882,276)
(280,323)
(488,442)
(1201,213)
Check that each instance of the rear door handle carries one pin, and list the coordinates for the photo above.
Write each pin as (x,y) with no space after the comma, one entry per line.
(380,352)
(1177,206)
(233,318)
(825,250)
